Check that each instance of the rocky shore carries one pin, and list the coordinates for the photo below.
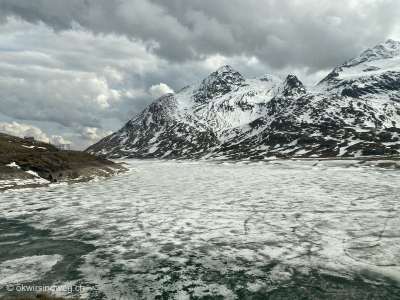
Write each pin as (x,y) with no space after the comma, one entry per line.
(30,163)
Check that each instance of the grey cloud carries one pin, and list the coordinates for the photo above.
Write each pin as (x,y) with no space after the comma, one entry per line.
(57,14)
(311,33)
(60,78)
(56,96)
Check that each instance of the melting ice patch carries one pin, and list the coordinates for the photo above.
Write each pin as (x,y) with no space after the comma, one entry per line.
(26,269)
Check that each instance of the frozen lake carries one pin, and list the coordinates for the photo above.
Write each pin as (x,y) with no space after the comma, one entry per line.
(180,230)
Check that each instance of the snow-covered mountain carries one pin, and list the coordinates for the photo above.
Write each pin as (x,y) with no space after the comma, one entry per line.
(354,111)
(375,74)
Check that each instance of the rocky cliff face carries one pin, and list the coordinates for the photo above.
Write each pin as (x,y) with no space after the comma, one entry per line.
(354,111)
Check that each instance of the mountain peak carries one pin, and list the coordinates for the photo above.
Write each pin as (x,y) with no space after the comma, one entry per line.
(218,83)
(392,42)
(292,85)
(388,49)
(226,69)
(225,75)
(227,72)
(292,78)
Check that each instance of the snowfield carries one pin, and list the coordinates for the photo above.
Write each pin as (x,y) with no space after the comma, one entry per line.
(234,230)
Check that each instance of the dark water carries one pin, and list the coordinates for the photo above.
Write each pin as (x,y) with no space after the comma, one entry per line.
(19,240)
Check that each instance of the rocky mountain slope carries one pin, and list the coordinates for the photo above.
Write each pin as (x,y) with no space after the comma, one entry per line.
(354,111)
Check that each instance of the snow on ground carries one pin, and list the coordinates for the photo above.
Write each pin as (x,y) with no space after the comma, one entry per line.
(20,182)
(191,228)
(32,173)
(14,165)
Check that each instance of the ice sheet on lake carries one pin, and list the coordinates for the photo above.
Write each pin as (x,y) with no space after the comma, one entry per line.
(198,228)
(26,269)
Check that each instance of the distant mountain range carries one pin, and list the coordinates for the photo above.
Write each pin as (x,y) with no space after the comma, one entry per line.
(354,111)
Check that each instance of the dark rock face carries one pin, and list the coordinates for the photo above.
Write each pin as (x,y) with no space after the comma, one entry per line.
(354,111)
(332,75)
(293,86)
(219,83)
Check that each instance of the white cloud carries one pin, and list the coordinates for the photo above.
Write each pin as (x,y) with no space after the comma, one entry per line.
(214,62)
(22,130)
(58,139)
(70,78)
(160,89)
(91,133)
(88,135)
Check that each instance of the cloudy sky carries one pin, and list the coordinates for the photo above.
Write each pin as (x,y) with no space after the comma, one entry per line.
(77,70)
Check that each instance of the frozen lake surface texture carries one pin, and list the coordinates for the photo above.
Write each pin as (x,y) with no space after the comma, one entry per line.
(210,230)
